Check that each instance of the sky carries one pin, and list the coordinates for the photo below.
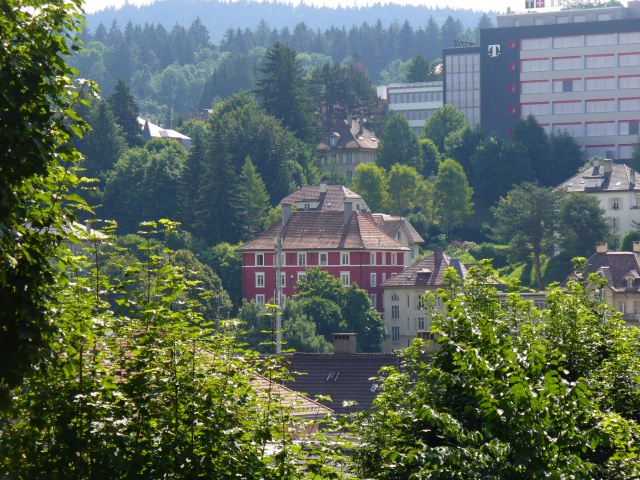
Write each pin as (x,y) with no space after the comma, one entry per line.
(92,6)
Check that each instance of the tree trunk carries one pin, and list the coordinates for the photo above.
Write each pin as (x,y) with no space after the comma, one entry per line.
(536,262)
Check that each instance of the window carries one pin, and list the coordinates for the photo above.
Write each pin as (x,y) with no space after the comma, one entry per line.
(565,108)
(420,323)
(615,203)
(629,282)
(384,277)
(600,83)
(349,157)
(394,258)
(260,280)
(567,63)
(372,280)
(629,81)
(629,59)
(599,129)
(568,42)
(622,307)
(531,88)
(395,334)
(601,39)
(629,104)
(324,259)
(438,302)
(535,43)
(600,106)
(344,258)
(574,129)
(307,207)
(408,301)
(350,174)
(372,259)
(259,259)
(301,275)
(538,108)
(394,297)
(283,280)
(260,300)
(566,85)
(631,127)
(302,259)
(626,38)
(600,61)
(395,311)
(374,300)
(615,223)
(512,66)
(533,65)
(346,278)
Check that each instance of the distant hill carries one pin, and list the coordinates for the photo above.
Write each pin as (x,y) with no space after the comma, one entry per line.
(218,16)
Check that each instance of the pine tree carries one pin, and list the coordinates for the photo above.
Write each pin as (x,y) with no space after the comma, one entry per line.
(255,200)
(126,111)
(188,186)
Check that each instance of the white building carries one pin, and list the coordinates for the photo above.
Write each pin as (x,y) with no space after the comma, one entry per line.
(415,101)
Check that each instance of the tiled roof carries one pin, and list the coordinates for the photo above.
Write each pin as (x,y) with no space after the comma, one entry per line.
(349,137)
(315,230)
(428,272)
(614,267)
(390,225)
(593,179)
(341,377)
(301,405)
(331,200)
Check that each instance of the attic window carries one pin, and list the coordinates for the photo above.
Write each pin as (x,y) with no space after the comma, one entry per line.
(333,376)
(570,184)
(618,183)
(582,180)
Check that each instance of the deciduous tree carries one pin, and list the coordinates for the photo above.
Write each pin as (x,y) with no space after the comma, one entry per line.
(452,196)
(443,122)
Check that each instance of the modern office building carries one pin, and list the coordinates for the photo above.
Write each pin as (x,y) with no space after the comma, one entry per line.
(415,101)
(574,70)
(462,79)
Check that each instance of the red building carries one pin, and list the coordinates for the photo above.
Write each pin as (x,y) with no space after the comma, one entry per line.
(347,244)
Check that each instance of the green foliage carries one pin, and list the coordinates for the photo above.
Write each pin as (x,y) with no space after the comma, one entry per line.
(461,145)
(255,200)
(403,184)
(117,390)
(443,122)
(126,112)
(37,122)
(529,133)
(511,392)
(628,239)
(399,144)
(371,183)
(226,262)
(333,308)
(581,224)
(527,218)
(490,251)
(452,196)
(431,157)
(565,158)
(418,70)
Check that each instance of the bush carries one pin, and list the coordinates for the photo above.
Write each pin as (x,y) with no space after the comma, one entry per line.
(486,251)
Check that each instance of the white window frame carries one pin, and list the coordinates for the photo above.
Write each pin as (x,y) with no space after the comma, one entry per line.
(344,258)
(302,259)
(260,300)
(372,279)
(372,259)
(301,275)
(395,312)
(345,277)
(395,334)
(283,279)
(394,258)
(374,300)
(259,279)
(421,323)
(323,261)
(259,260)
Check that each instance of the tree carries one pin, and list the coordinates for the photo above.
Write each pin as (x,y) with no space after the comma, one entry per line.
(255,200)
(284,92)
(125,111)
(502,382)
(371,184)
(628,239)
(419,70)
(36,128)
(462,144)
(443,122)
(565,159)
(226,262)
(581,224)
(333,308)
(452,196)
(635,156)
(527,218)
(529,133)
(403,183)
(399,144)
(431,157)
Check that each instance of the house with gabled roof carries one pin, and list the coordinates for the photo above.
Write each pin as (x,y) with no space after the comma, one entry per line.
(404,315)
(324,198)
(348,244)
(401,229)
(344,381)
(615,186)
(151,131)
(621,272)
(346,145)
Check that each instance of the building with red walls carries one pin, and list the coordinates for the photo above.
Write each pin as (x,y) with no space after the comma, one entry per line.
(348,244)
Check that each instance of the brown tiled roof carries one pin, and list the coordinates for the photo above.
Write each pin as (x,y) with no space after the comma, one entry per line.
(390,225)
(350,137)
(613,267)
(341,377)
(621,178)
(301,406)
(331,200)
(428,272)
(315,230)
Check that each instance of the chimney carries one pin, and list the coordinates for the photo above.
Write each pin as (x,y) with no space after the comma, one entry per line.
(286,213)
(608,166)
(632,176)
(349,120)
(437,257)
(323,186)
(601,247)
(348,211)
(344,343)
(361,121)
(636,246)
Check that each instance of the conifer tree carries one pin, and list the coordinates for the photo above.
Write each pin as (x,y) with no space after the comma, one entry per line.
(188,185)
(126,111)
(255,200)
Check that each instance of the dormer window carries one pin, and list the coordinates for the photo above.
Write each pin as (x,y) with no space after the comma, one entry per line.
(629,282)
